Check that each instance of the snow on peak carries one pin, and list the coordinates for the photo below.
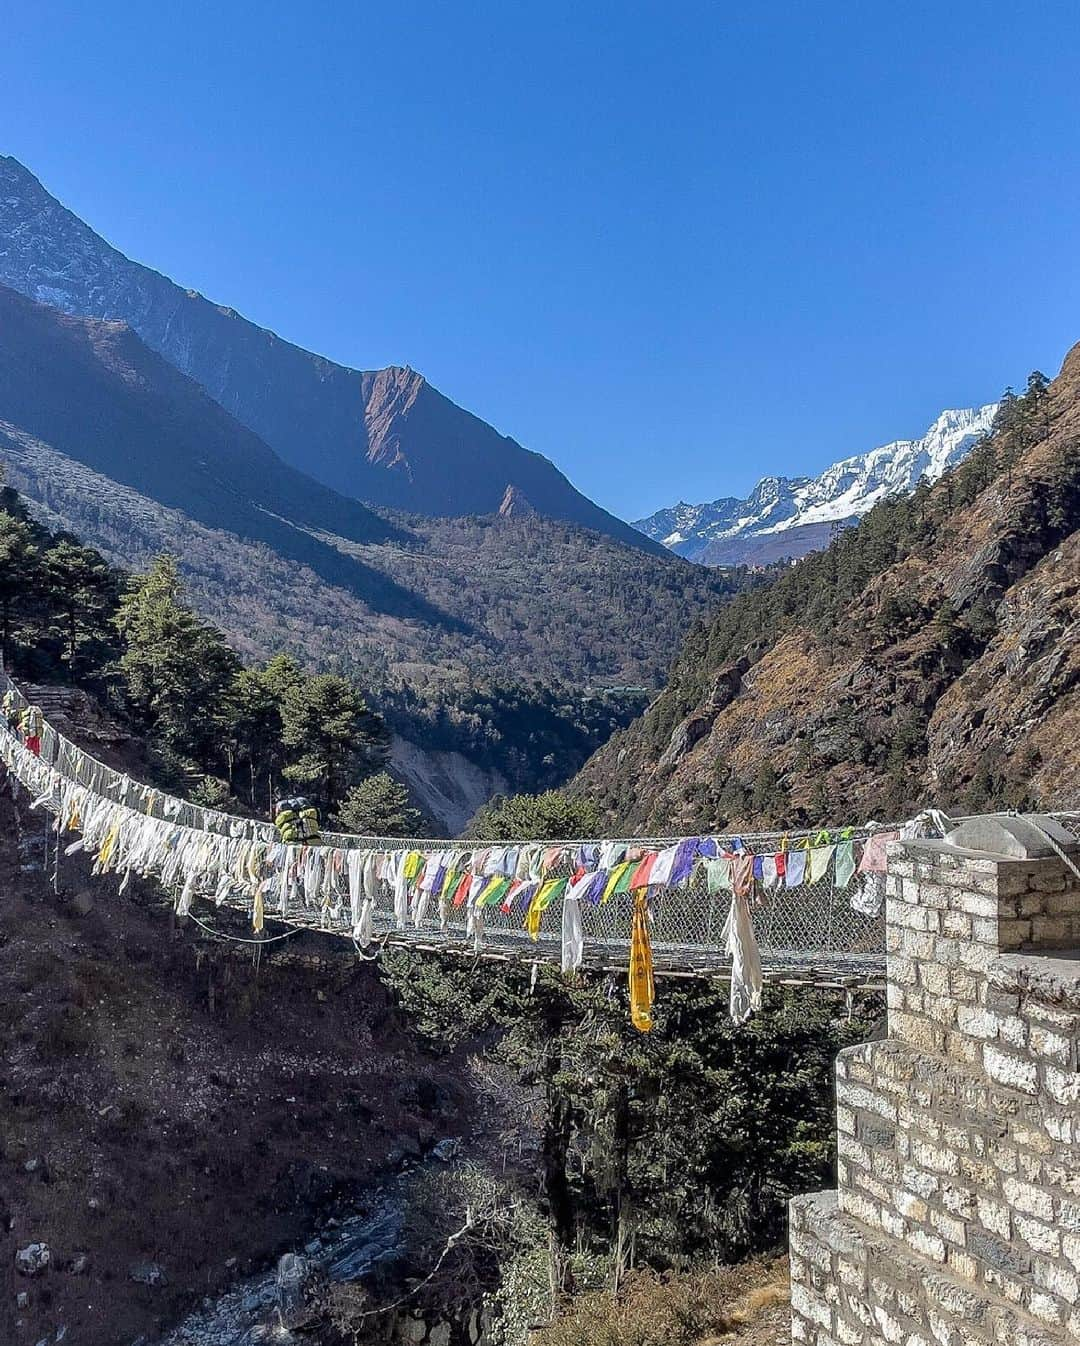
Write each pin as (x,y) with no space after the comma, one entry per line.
(727,530)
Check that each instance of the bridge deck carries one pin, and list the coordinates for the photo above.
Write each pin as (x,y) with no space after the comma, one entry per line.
(806,933)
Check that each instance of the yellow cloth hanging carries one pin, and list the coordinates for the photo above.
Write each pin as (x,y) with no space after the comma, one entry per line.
(642,985)
(614,877)
(545,894)
(532,916)
(820,852)
(107,847)
(255,862)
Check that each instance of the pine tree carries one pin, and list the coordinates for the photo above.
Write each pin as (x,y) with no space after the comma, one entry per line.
(81,589)
(254,741)
(1036,402)
(177,671)
(279,675)
(333,735)
(379,807)
(256,750)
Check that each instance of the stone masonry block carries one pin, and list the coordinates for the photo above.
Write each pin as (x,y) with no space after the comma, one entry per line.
(994,1216)
(1010,1069)
(1029,1200)
(1046,1308)
(977,1023)
(1039,1237)
(960,1047)
(918,1031)
(1014,1030)
(1062,1085)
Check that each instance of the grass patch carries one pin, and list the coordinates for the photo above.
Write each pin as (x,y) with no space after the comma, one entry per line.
(692,1309)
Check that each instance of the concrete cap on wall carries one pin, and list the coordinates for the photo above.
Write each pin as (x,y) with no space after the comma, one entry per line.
(1014,837)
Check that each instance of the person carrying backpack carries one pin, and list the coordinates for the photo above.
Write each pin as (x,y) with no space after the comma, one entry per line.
(297,821)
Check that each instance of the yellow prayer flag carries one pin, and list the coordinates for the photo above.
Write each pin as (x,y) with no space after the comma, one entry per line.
(642,985)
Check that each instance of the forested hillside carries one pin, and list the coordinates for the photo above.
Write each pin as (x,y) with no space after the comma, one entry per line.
(510,639)
(930,655)
(215,730)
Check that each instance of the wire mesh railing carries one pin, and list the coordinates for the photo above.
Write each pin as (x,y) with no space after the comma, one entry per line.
(806,928)
(805,920)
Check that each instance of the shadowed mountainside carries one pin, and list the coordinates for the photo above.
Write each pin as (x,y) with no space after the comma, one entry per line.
(385,436)
(93,391)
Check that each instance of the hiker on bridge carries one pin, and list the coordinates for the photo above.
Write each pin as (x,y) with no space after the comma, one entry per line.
(297,821)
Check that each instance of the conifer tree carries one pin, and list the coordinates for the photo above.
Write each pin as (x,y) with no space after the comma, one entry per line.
(332,734)
(379,807)
(254,744)
(82,591)
(177,671)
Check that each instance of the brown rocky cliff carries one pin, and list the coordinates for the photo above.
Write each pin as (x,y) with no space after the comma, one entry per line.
(953,678)
(390,395)
(514,505)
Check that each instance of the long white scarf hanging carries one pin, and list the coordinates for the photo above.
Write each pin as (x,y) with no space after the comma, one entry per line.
(401,892)
(355,865)
(573,934)
(474,925)
(362,930)
(740,944)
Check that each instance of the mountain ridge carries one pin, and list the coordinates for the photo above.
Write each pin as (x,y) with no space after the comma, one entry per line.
(469,628)
(93,390)
(385,436)
(786,517)
(929,656)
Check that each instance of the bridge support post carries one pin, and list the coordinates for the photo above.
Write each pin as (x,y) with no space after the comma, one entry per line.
(957,1216)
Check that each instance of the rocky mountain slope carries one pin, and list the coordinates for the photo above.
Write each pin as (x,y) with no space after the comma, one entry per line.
(94,391)
(930,656)
(107,440)
(791,516)
(385,436)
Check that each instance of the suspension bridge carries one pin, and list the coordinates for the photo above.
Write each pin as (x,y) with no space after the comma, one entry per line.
(808,931)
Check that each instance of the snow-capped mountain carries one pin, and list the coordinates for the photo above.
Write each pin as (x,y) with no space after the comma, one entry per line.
(790,516)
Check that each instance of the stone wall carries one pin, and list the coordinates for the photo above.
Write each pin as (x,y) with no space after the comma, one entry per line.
(957,1215)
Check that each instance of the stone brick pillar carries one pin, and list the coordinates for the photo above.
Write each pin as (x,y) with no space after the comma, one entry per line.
(957,1215)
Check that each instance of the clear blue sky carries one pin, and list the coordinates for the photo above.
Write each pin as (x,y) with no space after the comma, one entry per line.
(673,246)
